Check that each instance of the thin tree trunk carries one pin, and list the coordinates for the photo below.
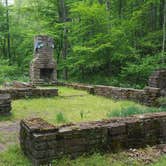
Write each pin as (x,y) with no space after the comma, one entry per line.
(8,31)
(161,13)
(63,19)
(164,30)
(101,2)
(120,9)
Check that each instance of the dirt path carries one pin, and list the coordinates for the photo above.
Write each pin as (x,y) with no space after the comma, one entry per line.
(8,134)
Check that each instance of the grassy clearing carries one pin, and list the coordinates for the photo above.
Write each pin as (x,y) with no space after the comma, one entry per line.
(70,106)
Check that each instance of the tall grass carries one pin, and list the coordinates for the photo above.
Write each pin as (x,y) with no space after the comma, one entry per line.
(60,118)
(132,110)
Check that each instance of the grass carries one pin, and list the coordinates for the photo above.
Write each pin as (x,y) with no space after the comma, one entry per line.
(132,110)
(70,106)
(73,108)
(60,118)
(14,157)
(161,162)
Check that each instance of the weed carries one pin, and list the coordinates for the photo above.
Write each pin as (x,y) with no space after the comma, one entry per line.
(60,118)
(81,114)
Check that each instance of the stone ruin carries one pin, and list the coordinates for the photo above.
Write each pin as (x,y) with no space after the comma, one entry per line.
(5,104)
(26,93)
(42,142)
(158,80)
(43,66)
(18,85)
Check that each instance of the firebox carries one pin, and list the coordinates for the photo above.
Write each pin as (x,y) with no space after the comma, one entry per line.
(46,74)
(43,65)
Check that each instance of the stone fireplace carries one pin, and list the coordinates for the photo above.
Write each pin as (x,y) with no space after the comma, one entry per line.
(43,66)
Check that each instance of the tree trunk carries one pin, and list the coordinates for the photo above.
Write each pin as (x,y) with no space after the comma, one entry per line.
(101,2)
(8,31)
(120,9)
(164,31)
(63,18)
(161,13)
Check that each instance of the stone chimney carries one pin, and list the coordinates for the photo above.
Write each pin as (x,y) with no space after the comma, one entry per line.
(43,66)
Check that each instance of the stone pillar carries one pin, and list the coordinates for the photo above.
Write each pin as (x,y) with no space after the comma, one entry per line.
(5,104)
(158,80)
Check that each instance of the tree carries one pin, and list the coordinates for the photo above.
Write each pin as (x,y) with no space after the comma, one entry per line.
(164,31)
(93,38)
(8,30)
(63,19)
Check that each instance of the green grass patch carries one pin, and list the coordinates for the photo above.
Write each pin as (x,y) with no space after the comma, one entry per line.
(72,106)
(132,110)
(161,162)
(14,157)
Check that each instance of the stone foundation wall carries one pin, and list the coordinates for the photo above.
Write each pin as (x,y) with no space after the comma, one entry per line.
(20,93)
(43,142)
(5,104)
(78,86)
(147,96)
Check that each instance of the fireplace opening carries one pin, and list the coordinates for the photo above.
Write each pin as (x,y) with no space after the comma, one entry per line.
(46,74)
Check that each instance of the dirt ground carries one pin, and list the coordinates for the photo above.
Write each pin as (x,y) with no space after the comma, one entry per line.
(9,134)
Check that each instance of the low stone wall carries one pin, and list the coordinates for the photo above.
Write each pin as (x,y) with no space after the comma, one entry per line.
(43,142)
(5,104)
(78,86)
(20,93)
(147,96)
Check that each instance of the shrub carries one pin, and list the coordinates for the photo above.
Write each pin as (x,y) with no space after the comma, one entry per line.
(9,73)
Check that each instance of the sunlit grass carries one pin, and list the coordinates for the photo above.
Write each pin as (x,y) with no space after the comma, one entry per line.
(72,106)
(14,157)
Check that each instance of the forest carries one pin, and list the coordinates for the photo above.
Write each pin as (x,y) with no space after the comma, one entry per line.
(111,42)
(82,82)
